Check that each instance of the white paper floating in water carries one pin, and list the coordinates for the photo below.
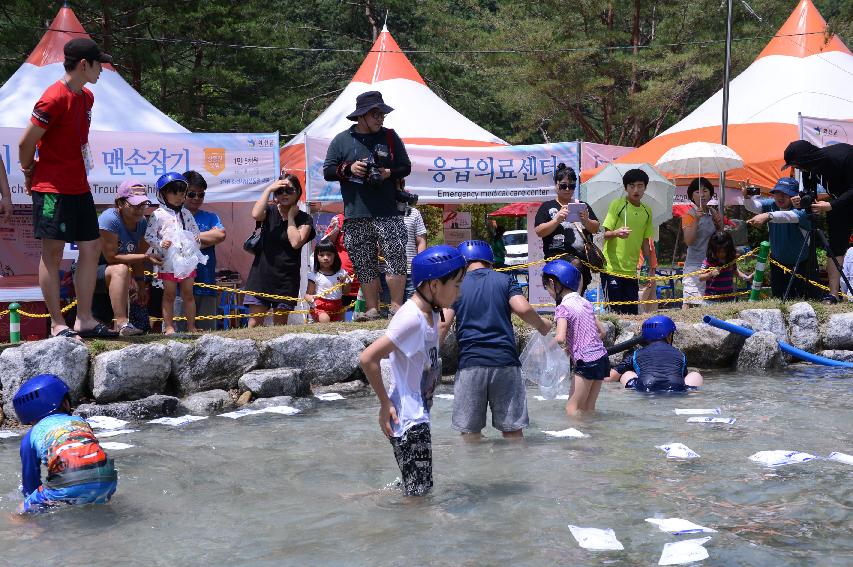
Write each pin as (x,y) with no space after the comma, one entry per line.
(283,410)
(841,457)
(113,446)
(725,420)
(779,458)
(329,397)
(7,434)
(238,413)
(175,421)
(695,411)
(678,451)
(570,432)
(596,539)
(560,397)
(686,551)
(444,396)
(105,422)
(114,432)
(677,526)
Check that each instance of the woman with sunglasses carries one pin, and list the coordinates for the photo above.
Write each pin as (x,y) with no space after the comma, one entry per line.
(276,269)
(561,237)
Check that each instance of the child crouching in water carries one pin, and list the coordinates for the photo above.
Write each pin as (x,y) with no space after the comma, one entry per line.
(78,470)
(659,366)
(578,333)
(411,343)
(327,305)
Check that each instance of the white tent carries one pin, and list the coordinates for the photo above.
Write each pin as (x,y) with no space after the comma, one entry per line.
(117,106)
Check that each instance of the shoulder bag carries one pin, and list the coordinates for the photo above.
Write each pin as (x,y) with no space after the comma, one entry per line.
(255,242)
(594,256)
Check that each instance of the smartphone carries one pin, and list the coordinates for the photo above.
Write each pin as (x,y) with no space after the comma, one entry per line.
(574,210)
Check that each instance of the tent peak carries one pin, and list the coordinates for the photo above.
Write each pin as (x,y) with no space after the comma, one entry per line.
(51,49)
(386,61)
(803,34)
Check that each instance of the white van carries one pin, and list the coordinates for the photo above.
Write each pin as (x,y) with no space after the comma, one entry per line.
(516,247)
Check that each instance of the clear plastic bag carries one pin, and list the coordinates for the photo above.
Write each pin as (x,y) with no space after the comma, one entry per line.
(545,363)
(184,253)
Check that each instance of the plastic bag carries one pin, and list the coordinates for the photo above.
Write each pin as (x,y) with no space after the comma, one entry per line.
(184,254)
(545,363)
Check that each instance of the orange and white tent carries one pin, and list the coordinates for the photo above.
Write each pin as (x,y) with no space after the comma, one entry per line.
(118,108)
(798,72)
(419,117)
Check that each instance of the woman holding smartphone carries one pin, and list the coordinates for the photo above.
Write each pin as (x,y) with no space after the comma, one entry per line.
(564,223)
(699,223)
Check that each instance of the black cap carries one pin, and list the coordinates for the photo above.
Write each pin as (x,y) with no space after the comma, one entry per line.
(84,48)
(365,102)
(796,151)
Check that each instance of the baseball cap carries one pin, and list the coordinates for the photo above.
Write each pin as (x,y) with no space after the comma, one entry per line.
(84,48)
(133,191)
(787,185)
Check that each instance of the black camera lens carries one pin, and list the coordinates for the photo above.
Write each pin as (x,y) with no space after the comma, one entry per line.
(753,191)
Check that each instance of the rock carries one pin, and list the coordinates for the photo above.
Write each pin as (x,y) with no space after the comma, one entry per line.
(609,332)
(706,346)
(842,355)
(366,336)
(151,407)
(803,327)
(766,320)
(449,353)
(302,404)
(67,358)
(212,363)
(244,399)
(207,403)
(523,335)
(276,382)
(131,373)
(387,379)
(354,389)
(324,359)
(626,330)
(837,333)
(760,351)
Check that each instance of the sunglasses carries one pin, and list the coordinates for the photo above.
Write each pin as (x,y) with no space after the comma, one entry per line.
(566,187)
(194,194)
(284,191)
(143,206)
(376,114)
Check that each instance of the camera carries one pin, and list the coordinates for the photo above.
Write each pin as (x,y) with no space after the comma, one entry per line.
(753,191)
(808,195)
(374,171)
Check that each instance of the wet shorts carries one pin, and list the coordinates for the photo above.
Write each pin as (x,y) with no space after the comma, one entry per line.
(596,370)
(71,218)
(413,451)
(501,388)
(77,495)
(632,385)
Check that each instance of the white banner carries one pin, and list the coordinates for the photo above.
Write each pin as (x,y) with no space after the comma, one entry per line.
(536,293)
(824,132)
(236,166)
(441,174)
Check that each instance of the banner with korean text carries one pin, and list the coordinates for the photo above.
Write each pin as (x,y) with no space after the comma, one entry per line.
(442,174)
(824,132)
(236,166)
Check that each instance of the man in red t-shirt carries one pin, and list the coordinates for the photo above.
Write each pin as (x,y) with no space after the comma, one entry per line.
(63,208)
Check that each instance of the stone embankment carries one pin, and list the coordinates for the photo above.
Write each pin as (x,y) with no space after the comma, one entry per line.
(215,373)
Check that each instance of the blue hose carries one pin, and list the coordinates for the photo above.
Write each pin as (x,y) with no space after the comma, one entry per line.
(793,351)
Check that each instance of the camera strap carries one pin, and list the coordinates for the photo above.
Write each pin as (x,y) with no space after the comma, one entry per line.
(390,140)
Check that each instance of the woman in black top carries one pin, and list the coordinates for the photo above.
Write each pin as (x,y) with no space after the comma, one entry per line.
(286,229)
(559,236)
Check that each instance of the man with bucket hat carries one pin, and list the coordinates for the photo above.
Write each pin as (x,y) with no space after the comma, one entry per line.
(369,161)
(788,227)
(63,207)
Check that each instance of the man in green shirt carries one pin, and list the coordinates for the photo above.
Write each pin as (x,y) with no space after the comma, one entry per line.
(627,229)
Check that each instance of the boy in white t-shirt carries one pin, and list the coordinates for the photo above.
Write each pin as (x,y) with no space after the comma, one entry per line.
(411,343)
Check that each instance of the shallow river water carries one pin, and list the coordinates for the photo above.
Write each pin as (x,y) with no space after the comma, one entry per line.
(308,489)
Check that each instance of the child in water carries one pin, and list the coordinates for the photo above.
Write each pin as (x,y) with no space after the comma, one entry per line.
(659,366)
(78,470)
(411,343)
(578,333)
(328,273)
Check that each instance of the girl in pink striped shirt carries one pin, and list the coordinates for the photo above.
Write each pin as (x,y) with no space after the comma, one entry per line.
(577,332)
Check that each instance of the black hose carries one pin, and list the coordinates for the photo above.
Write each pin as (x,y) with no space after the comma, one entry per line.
(623,346)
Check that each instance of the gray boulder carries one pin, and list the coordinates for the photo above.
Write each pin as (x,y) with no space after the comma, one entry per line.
(207,403)
(366,336)
(67,358)
(837,333)
(151,407)
(609,332)
(354,389)
(275,382)
(842,355)
(131,373)
(324,359)
(449,353)
(302,404)
(803,326)
(626,330)
(706,346)
(760,351)
(766,320)
(212,363)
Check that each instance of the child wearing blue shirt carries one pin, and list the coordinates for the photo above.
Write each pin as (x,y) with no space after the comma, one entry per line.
(659,366)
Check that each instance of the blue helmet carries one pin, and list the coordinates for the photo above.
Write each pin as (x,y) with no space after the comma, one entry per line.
(658,328)
(171,177)
(565,272)
(39,397)
(476,251)
(436,262)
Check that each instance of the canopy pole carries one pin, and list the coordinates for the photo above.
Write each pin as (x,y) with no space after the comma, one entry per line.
(725,129)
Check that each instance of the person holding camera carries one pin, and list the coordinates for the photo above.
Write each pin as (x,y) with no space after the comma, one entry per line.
(369,161)
(699,223)
(832,168)
(788,228)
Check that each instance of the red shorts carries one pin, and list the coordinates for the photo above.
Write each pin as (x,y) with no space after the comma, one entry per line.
(170,277)
(332,307)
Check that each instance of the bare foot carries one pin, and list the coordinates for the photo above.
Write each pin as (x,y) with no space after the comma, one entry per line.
(168,330)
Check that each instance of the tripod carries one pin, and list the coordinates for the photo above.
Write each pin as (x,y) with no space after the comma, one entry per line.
(808,247)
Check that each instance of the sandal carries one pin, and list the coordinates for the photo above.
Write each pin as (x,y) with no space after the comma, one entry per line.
(129,330)
(67,333)
(99,331)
